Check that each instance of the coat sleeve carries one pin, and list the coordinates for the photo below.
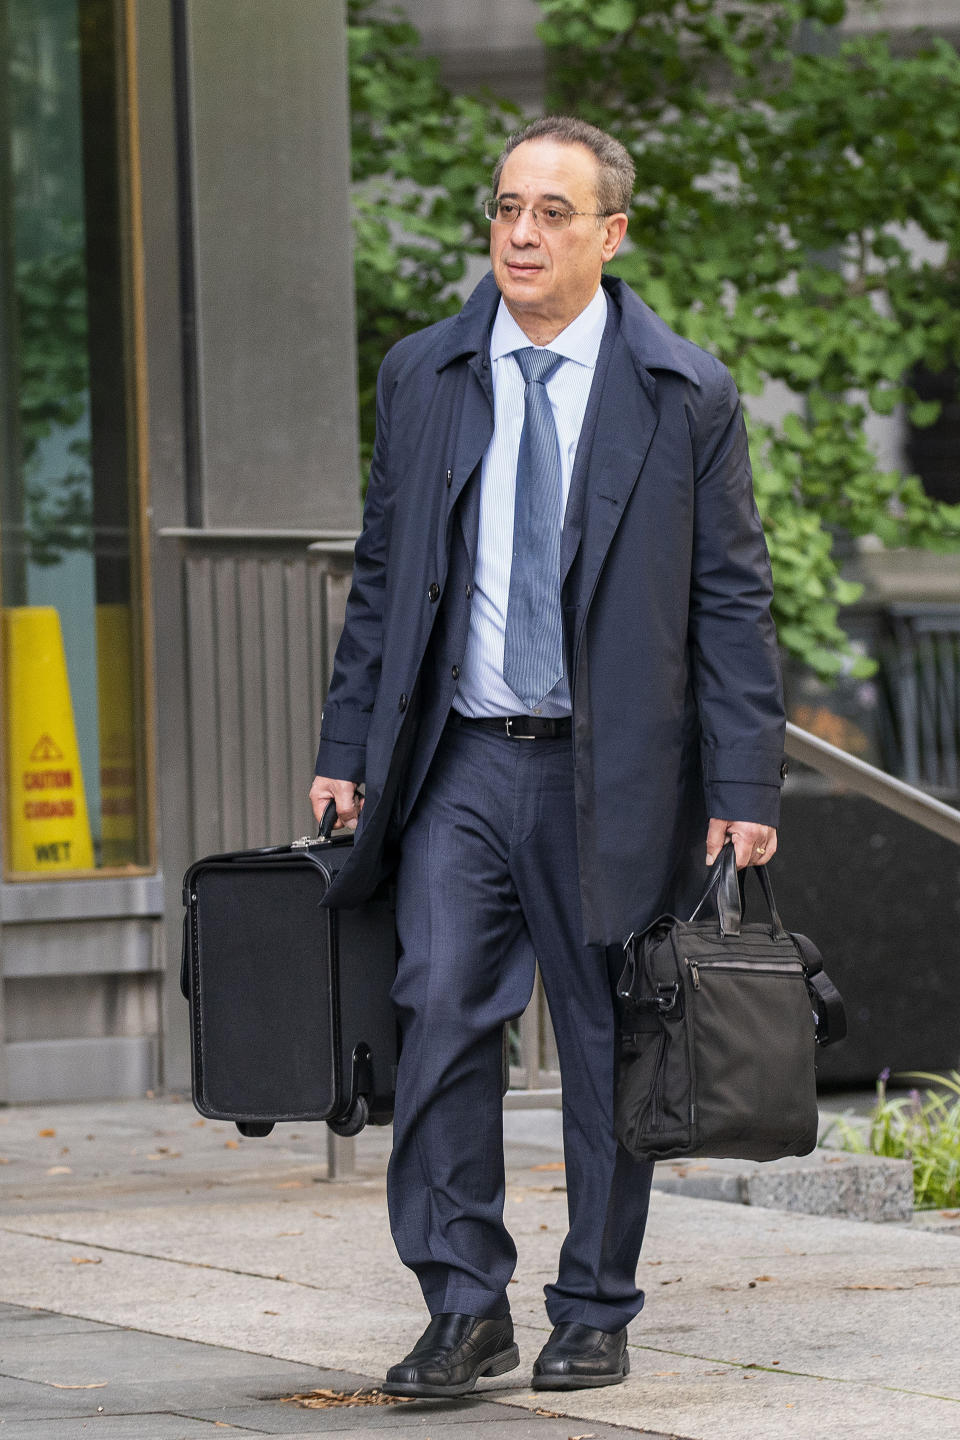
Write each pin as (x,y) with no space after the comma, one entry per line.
(734,655)
(356,666)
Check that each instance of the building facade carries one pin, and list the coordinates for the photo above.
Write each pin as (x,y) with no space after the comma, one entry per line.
(177,427)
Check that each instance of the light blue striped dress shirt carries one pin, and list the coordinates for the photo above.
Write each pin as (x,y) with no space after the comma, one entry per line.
(482,689)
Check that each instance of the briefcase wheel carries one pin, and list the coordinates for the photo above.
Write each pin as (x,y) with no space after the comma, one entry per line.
(254,1129)
(354,1120)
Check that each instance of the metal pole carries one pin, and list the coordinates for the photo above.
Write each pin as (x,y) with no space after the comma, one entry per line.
(341,1157)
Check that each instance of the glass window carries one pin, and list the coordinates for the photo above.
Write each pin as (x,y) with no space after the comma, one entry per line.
(69,510)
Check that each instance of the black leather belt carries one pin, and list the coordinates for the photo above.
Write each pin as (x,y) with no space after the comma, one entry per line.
(518,727)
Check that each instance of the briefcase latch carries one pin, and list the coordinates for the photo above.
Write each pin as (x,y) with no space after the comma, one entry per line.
(307,841)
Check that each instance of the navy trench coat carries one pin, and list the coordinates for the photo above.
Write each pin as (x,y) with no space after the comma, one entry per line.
(671,649)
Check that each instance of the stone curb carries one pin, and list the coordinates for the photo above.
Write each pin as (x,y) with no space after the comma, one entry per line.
(826,1182)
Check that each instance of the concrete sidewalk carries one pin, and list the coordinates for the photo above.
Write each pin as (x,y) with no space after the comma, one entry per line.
(165,1278)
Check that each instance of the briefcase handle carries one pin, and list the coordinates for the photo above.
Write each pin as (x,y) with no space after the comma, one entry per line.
(725,880)
(327,820)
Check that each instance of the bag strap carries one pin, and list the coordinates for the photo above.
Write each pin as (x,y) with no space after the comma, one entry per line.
(825,998)
(724,879)
(828,1008)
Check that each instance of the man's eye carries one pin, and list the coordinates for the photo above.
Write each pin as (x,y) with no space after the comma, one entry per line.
(552,213)
(508,210)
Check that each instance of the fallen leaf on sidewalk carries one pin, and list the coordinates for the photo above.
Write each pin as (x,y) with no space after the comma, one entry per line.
(765,1277)
(231,1144)
(281,1233)
(327,1399)
(4,1160)
(86,1260)
(46,1134)
(94,1385)
(549,1414)
(587,1435)
(874,1287)
(164,1155)
(59,1170)
(289,1185)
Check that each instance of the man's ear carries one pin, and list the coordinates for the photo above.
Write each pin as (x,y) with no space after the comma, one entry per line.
(614,230)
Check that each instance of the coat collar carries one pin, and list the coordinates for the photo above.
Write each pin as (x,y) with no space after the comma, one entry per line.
(652,344)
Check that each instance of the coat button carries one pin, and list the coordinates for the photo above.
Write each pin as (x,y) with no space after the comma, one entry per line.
(434,592)
(455,672)
(449,478)
(784,770)
(402,704)
(469,591)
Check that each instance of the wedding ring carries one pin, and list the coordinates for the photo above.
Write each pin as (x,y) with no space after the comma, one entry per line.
(760,849)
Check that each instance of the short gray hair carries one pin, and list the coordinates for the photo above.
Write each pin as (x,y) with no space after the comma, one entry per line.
(616,171)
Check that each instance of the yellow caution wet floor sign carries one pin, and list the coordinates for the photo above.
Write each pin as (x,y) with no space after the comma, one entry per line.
(48,826)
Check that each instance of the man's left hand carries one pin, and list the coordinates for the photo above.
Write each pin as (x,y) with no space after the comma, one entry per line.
(754,844)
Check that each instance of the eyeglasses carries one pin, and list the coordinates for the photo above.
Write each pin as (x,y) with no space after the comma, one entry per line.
(545,217)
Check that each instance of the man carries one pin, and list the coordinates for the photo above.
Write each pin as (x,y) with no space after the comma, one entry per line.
(557,675)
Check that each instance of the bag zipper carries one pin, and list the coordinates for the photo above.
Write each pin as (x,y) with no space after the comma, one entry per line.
(656,1099)
(744,967)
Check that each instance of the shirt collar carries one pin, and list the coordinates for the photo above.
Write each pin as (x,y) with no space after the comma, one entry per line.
(580,341)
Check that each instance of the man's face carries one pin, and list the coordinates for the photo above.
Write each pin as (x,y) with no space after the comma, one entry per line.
(547,277)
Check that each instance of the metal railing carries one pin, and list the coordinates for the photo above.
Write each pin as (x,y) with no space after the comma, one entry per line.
(922,667)
(535,1081)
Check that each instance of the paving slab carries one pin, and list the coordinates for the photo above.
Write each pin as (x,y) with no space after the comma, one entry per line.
(151,1387)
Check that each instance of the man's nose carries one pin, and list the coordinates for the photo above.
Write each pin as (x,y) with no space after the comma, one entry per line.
(524,230)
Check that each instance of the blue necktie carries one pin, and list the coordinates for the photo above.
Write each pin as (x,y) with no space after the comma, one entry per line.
(533,639)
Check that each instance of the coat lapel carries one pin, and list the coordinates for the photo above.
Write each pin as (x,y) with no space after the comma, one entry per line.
(473,437)
(626,423)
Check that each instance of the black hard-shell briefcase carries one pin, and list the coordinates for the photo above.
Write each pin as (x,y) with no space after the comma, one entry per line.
(290,1009)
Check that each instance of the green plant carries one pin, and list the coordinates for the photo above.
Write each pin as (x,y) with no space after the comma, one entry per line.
(922,1128)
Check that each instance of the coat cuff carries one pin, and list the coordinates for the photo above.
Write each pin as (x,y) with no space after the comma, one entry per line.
(738,800)
(339,761)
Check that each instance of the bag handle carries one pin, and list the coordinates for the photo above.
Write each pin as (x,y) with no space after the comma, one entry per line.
(724,879)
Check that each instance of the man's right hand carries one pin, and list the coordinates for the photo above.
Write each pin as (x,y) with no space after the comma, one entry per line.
(344,792)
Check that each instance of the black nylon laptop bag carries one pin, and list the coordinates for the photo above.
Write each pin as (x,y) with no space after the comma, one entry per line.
(719,1022)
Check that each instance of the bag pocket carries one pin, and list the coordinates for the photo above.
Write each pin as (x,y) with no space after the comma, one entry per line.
(761,1099)
(652,1109)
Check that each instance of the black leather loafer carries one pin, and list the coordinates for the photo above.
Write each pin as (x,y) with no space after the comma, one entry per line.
(576,1357)
(451,1355)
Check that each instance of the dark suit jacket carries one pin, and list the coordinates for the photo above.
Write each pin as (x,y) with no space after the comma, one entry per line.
(671,650)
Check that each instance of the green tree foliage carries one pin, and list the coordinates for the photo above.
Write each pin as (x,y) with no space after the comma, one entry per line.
(797,214)
(421,160)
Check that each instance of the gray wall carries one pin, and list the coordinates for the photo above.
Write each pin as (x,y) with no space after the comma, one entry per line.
(271,235)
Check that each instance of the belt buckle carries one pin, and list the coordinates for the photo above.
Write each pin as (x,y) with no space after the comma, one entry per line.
(510,734)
